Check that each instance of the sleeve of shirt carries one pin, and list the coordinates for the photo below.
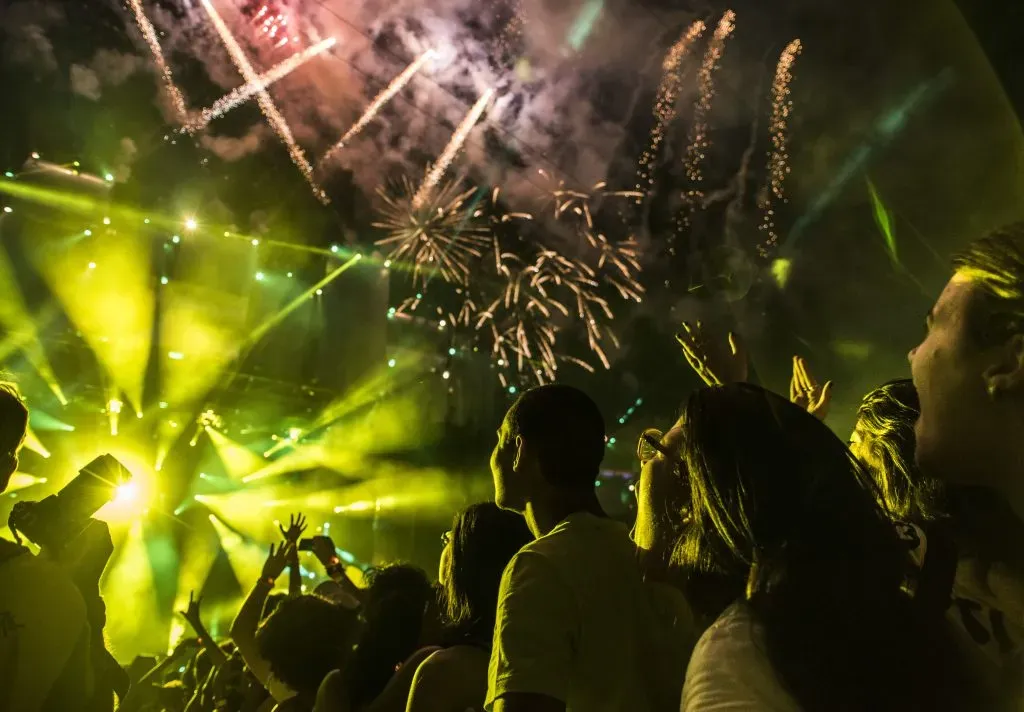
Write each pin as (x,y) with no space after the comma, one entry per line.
(729,672)
(535,632)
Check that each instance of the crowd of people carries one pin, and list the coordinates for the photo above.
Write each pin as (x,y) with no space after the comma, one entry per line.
(772,566)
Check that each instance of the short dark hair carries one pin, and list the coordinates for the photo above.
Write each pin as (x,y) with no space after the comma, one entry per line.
(886,417)
(564,427)
(304,639)
(13,418)
(484,539)
(995,263)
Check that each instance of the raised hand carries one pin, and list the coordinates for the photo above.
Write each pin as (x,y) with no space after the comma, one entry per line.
(191,613)
(277,560)
(715,361)
(805,391)
(324,550)
(296,526)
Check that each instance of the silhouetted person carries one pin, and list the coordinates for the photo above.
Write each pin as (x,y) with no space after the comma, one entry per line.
(576,627)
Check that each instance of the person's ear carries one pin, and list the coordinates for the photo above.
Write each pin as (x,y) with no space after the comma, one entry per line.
(520,447)
(1007,373)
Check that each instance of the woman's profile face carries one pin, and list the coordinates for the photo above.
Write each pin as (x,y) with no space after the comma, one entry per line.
(659,480)
(446,557)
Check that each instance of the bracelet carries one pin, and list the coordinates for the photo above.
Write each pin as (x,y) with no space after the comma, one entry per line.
(269,581)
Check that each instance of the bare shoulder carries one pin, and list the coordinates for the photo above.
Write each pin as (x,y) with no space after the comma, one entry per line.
(456,661)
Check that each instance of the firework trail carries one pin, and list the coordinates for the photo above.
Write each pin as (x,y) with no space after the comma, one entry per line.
(383,98)
(665,104)
(778,157)
(243,93)
(706,91)
(266,104)
(149,34)
(440,167)
(439,235)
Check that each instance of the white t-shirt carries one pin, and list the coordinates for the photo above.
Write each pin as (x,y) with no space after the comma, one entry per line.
(577,623)
(729,671)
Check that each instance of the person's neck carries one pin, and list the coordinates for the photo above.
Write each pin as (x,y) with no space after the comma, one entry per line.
(544,513)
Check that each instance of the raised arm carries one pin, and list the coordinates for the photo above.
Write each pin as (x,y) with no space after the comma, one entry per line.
(192,615)
(296,527)
(327,553)
(243,629)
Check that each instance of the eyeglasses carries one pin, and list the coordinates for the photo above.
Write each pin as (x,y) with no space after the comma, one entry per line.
(649,446)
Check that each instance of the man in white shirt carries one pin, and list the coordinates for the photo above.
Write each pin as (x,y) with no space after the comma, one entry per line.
(577,628)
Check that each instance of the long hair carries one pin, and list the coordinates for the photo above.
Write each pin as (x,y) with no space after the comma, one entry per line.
(885,421)
(484,539)
(779,500)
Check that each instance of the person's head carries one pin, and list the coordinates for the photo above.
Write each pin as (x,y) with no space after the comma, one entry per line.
(883,440)
(13,427)
(482,540)
(304,639)
(551,441)
(779,499)
(969,369)
(776,494)
(662,492)
(398,613)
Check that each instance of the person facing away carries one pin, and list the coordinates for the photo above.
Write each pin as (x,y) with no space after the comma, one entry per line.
(303,640)
(575,628)
(481,542)
(45,661)
(969,375)
(824,624)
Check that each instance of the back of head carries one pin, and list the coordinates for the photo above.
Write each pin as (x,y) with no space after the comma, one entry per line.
(304,639)
(778,497)
(995,263)
(397,597)
(13,426)
(772,484)
(484,539)
(565,430)
(884,442)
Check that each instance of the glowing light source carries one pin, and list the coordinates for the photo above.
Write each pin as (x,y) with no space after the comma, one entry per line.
(87,233)
(255,242)
(106,221)
(387,264)
(92,265)
(176,356)
(259,276)
(176,239)
(8,209)
(191,224)
(109,177)
(114,406)
(334,249)
(391,363)
(164,280)
(126,493)
(319,292)
(446,375)
(294,433)
(512,389)
(451,351)
(8,174)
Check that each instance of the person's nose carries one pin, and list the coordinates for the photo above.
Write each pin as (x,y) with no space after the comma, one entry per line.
(910,355)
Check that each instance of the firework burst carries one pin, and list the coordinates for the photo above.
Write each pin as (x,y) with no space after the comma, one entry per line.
(437,236)
(778,157)
(149,35)
(665,103)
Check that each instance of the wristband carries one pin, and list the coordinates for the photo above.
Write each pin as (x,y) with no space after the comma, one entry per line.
(269,581)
